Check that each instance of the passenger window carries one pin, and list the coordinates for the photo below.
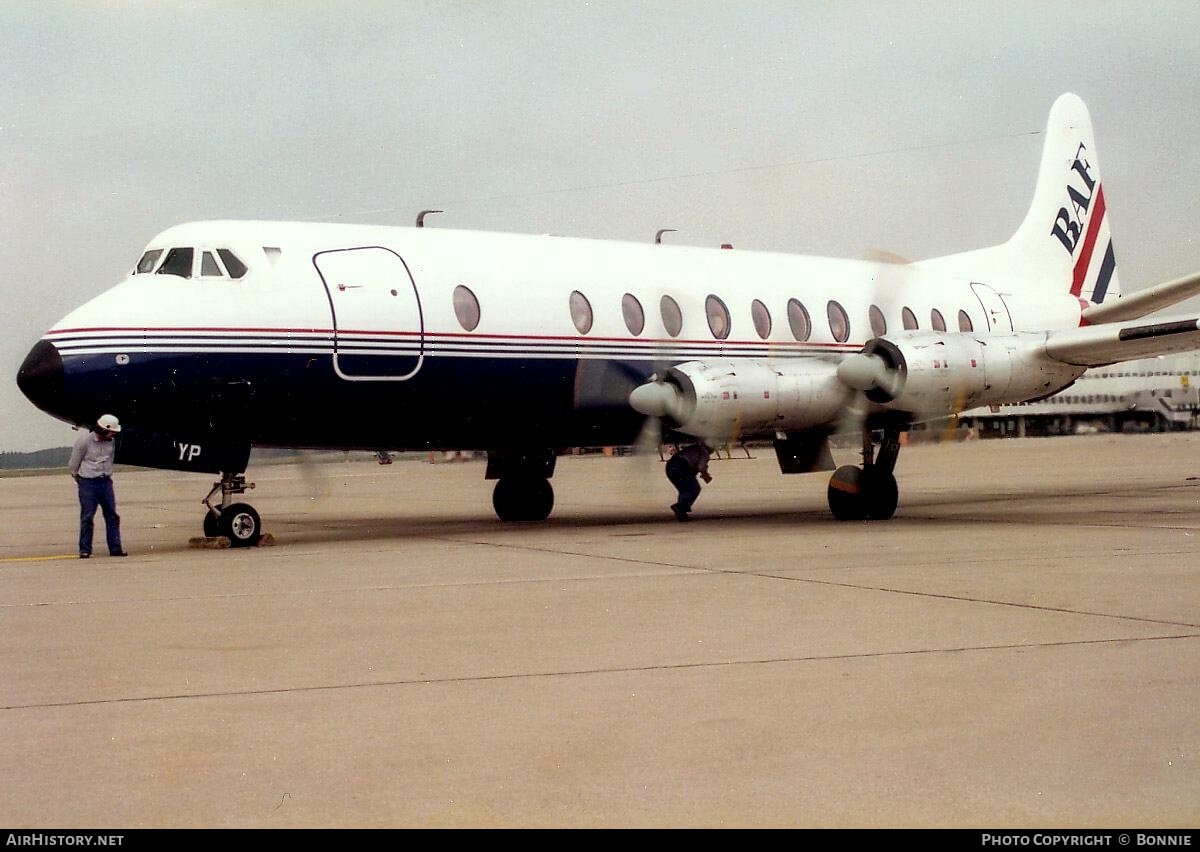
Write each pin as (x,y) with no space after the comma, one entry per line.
(146,264)
(718,317)
(799,320)
(909,320)
(635,317)
(672,317)
(236,268)
(178,262)
(878,323)
(839,322)
(964,322)
(208,265)
(581,312)
(937,320)
(466,308)
(762,319)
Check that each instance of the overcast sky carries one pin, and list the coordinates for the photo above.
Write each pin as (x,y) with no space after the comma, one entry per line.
(822,128)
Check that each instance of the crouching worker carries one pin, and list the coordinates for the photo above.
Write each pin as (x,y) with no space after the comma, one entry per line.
(91,465)
(689,461)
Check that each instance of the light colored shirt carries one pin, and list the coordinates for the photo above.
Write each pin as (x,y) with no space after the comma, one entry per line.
(92,456)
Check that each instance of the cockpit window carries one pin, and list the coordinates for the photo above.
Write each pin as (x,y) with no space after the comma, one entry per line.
(235,267)
(208,265)
(178,262)
(146,264)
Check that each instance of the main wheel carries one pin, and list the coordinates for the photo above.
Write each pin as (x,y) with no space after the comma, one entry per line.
(880,495)
(846,499)
(212,524)
(523,498)
(241,525)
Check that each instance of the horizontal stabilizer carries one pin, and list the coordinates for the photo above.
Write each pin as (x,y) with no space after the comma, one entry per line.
(1135,305)
(1098,345)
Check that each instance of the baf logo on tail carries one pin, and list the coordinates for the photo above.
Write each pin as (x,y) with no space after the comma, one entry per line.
(1085,208)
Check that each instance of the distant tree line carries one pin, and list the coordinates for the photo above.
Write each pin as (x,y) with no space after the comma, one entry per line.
(54,457)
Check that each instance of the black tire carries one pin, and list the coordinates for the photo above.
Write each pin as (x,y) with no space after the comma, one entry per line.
(880,495)
(212,525)
(846,494)
(241,525)
(523,498)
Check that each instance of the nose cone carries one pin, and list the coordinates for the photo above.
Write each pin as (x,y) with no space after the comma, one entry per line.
(41,378)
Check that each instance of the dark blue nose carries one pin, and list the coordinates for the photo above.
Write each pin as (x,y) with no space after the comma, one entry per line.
(41,378)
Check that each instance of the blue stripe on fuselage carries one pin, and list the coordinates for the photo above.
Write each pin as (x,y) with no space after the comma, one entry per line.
(296,399)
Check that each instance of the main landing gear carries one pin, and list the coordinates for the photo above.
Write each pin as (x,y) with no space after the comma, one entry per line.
(523,491)
(237,522)
(867,493)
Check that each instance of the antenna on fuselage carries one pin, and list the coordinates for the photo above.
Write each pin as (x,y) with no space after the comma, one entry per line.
(661,231)
(421,216)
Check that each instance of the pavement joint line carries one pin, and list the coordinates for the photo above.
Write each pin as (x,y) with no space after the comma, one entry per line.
(1043,522)
(859,586)
(685,570)
(695,572)
(662,667)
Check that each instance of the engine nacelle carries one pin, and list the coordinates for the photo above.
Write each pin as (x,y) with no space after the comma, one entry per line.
(724,399)
(929,374)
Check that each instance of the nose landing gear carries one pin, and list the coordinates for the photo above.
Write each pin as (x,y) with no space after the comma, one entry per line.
(238,522)
(523,491)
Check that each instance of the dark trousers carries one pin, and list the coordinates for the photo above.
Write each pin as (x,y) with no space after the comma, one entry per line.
(92,493)
(683,477)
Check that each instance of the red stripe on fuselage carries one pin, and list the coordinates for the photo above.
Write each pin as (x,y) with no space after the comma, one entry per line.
(1089,243)
(464,336)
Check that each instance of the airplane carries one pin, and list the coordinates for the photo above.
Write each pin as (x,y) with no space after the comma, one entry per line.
(232,334)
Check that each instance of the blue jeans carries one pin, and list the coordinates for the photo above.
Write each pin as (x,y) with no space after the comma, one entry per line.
(683,477)
(92,493)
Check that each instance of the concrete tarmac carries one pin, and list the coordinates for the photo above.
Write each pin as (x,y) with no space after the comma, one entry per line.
(1020,646)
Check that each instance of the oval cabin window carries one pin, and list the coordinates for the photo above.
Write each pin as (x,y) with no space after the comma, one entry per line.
(878,323)
(964,322)
(718,317)
(581,312)
(762,319)
(799,320)
(938,321)
(466,308)
(635,317)
(839,322)
(909,319)
(672,317)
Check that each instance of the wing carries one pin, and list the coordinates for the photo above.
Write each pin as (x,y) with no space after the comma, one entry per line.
(1095,346)
(1134,305)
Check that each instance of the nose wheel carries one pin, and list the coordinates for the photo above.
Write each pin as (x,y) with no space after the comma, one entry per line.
(238,522)
(523,498)
(523,491)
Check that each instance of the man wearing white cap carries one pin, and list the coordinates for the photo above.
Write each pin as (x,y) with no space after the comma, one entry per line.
(91,464)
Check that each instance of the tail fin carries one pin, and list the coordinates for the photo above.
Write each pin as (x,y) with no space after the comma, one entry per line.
(1065,239)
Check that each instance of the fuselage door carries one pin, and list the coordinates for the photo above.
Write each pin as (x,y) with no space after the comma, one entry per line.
(377,323)
(994,309)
